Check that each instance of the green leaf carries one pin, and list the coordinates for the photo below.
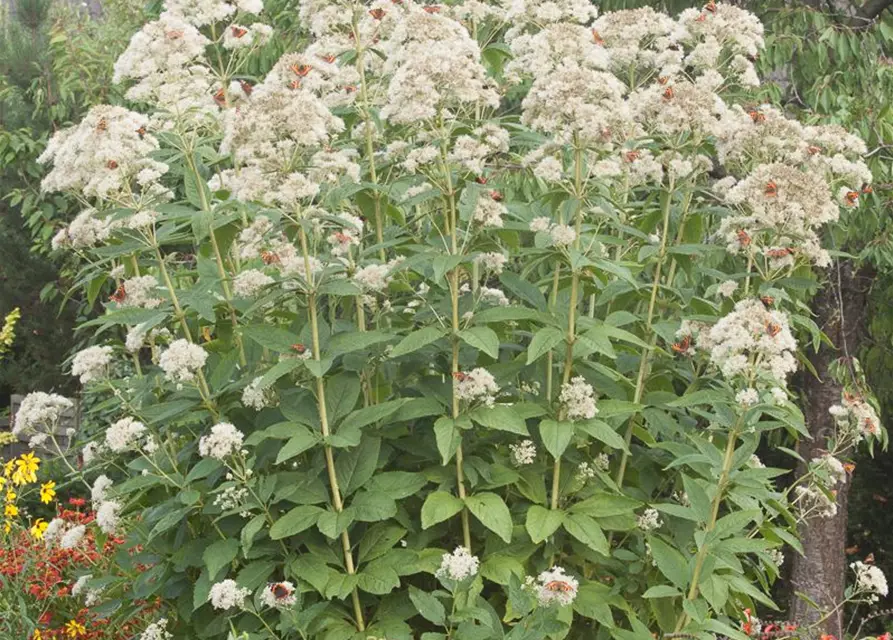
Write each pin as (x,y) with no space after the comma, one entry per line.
(448,438)
(355,466)
(249,531)
(378,578)
(295,521)
(586,530)
(373,506)
(543,342)
(556,436)
(271,337)
(602,505)
(523,289)
(415,341)
(342,393)
(303,440)
(430,608)
(219,554)
(669,561)
(697,497)
(397,484)
(542,523)
(501,417)
(482,338)
(704,396)
(348,342)
(378,540)
(370,415)
(661,591)
(439,506)
(603,432)
(493,513)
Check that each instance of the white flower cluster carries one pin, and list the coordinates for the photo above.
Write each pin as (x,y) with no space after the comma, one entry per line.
(224,440)
(578,399)
(855,418)
(649,520)
(181,360)
(227,595)
(86,230)
(870,580)
(829,466)
(523,453)
(70,537)
(492,261)
(40,413)
(257,397)
(458,565)
(435,66)
(107,516)
(279,595)
(554,587)
(91,596)
(231,498)
(489,210)
(99,490)
(477,385)
(471,151)
(105,155)
(124,435)
(813,501)
(781,209)
(754,343)
(91,363)
(157,631)
(376,277)
(202,12)
(140,291)
(251,282)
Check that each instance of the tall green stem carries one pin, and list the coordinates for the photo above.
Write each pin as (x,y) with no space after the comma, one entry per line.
(337,502)
(368,127)
(711,524)
(452,224)
(218,256)
(645,357)
(570,337)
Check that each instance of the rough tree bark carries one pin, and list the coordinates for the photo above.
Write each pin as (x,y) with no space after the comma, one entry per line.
(820,573)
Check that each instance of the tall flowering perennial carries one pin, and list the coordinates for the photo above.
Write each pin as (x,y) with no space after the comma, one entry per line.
(450,290)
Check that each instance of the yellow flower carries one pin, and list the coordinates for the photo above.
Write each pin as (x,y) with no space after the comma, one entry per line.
(26,469)
(47,492)
(74,629)
(7,527)
(38,529)
(11,511)
(11,495)
(36,635)
(8,467)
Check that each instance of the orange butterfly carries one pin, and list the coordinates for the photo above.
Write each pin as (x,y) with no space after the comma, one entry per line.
(238,32)
(119,295)
(771,189)
(773,329)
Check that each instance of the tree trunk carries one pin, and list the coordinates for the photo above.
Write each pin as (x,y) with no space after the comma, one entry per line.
(820,573)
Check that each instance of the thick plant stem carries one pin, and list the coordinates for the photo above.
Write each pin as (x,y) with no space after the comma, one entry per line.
(645,358)
(453,223)
(337,502)
(181,317)
(218,256)
(370,149)
(714,514)
(570,337)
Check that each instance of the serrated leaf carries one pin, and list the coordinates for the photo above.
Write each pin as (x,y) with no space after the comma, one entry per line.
(501,417)
(603,432)
(430,608)
(669,561)
(662,591)
(586,530)
(301,441)
(219,554)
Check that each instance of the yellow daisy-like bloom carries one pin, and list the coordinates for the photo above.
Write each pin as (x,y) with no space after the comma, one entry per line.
(26,469)
(37,635)
(10,511)
(38,529)
(11,495)
(74,629)
(8,467)
(47,492)
(7,526)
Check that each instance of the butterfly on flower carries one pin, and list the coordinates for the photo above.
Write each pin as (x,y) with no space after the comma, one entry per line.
(330,59)
(111,164)
(771,189)
(496,196)
(246,86)
(852,198)
(682,346)
(432,8)
(668,93)
(269,257)
(597,39)
(280,590)
(481,180)
(459,376)
(743,238)
(631,156)
(220,97)
(773,329)
(238,32)
(779,253)
(377,14)
(301,70)
(710,7)
(866,189)
(141,132)
(298,348)
(102,125)
(813,149)
(767,300)
(119,295)
(757,116)
(559,585)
